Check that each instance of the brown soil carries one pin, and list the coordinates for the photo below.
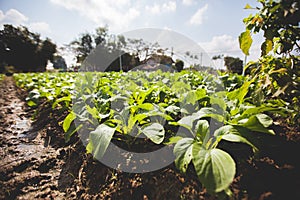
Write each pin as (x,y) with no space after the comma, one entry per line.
(36,163)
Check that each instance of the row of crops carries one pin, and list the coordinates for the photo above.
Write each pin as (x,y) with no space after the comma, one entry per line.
(189,112)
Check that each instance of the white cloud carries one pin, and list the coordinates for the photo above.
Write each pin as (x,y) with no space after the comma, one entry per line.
(198,17)
(169,6)
(162,8)
(221,44)
(155,9)
(16,18)
(225,45)
(40,27)
(228,45)
(12,16)
(118,14)
(188,2)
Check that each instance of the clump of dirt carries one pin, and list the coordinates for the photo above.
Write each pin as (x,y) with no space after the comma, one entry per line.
(36,163)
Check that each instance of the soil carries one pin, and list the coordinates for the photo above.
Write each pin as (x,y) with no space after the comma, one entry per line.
(36,163)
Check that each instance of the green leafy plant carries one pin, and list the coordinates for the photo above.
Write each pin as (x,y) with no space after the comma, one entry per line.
(189,109)
(215,167)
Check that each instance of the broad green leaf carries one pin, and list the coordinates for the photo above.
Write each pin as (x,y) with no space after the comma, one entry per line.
(245,41)
(260,109)
(188,121)
(194,95)
(161,114)
(202,130)
(218,101)
(264,119)
(258,123)
(183,153)
(93,111)
(209,112)
(135,118)
(225,130)
(139,117)
(215,168)
(200,93)
(237,138)
(246,135)
(191,97)
(71,132)
(99,140)
(155,132)
(68,120)
(146,106)
(266,47)
(241,92)
(180,87)
(173,109)
(173,140)
(257,110)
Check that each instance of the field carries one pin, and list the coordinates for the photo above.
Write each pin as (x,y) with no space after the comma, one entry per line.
(226,138)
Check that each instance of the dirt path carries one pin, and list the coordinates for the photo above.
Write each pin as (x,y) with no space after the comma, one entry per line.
(29,168)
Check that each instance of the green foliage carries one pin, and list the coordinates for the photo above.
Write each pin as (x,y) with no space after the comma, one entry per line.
(245,41)
(53,87)
(276,77)
(183,152)
(215,168)
(99,140)
(124,106)
(68,120)
(155,132)
(240,93)
(279,20)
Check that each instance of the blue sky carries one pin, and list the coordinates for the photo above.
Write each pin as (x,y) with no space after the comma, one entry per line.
(214,24)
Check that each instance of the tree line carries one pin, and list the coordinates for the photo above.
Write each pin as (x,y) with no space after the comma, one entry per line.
(27,52)
(24,50)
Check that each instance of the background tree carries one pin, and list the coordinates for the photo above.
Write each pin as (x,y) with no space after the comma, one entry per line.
(24,50)
(233,65)
(82,46)
(46,52)
(179,64)
(59,63)
(101,35)
(87,42)
(117,52)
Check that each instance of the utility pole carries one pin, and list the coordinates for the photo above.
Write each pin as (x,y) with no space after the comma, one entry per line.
(120,59)
(244,65)
(201,54)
